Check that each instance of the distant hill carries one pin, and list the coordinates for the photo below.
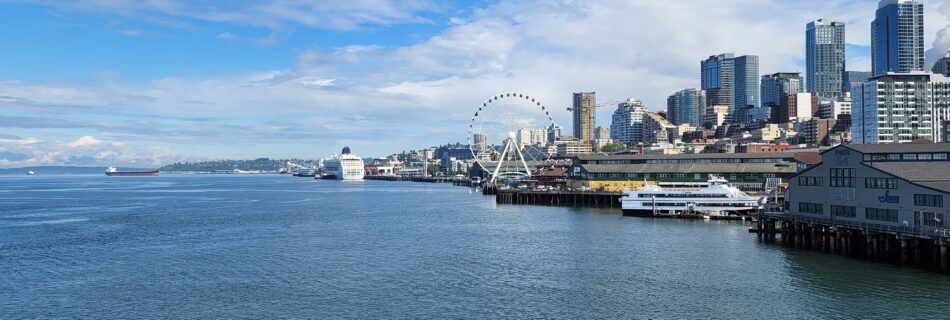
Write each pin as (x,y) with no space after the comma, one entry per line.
(261,164)
(63,170)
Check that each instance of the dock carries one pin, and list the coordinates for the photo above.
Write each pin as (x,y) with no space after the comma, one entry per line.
(923,247)
(590,199)
(452,180)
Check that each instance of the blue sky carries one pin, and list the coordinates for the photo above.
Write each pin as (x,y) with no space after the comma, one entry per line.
(148,82)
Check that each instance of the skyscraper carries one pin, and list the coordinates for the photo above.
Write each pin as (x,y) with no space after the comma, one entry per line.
(731,81)
(554,132)
(775,87)
(585,116)
(854,78)
(687,106)
(626,125)
(897,37)
(824,57)
(716,79)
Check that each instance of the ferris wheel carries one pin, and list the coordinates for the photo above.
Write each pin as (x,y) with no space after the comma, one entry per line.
(508,136)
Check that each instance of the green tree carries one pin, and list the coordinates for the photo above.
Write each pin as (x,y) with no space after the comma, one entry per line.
(613,147)
(707,125)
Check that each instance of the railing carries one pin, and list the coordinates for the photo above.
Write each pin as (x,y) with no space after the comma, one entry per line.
(917,230)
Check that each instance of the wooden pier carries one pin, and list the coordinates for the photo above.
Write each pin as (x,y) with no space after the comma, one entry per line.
(920,247)
(590,199)
(452,180)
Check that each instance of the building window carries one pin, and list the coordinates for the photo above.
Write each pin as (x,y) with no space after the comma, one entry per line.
(928,200)
(811,208)
(893,156)
(631,175)
(843,211)
(664,175)
(842,177)
(940,156)
(732,176)
(810,181)
(698,176)
(880,183)
(889,215)
(932,219)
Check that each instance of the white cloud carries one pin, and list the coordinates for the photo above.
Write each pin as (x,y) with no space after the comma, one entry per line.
(84,151)
(227,36)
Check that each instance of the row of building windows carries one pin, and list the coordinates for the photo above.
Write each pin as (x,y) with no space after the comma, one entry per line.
(695,176)
(889,215)
(812,208)
(880,183)
(843,211)
(842,177)
(904,156)
(810,181)
(932,219)
(687,161)
(928,200)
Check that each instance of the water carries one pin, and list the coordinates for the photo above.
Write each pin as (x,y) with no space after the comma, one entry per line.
(284,247)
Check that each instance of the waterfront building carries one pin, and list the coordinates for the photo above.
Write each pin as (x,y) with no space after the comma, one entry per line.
(687,106)
(626,124)
(854,78)
(892,185)
(825,59)
(898,108)
(897,37)
(656,128)
(616,172)
(585,115)
(799,106)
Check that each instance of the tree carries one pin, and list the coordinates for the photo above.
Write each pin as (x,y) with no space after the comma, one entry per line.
(707,125)
(613,147)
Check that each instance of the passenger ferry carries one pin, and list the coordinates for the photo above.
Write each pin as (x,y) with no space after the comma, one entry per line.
(345,167)
(717,198)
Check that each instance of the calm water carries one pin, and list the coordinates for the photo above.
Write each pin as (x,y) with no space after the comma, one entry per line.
(285,247)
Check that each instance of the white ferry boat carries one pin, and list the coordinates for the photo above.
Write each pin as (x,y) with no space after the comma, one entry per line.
(345,167)
(717,198)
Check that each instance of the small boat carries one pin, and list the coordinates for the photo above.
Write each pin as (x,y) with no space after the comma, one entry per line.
(30,173)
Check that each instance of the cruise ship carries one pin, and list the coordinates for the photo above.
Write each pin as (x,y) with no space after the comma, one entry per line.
(345,167)
(717,198)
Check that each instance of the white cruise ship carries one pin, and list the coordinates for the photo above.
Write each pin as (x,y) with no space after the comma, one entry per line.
(718,198)
(345,167)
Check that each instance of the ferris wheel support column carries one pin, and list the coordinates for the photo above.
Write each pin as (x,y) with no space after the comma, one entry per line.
(501,160)
(521,155)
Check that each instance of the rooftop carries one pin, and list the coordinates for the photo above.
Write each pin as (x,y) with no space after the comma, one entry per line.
(934,174)
(897,148)
(764,155)
(691,168)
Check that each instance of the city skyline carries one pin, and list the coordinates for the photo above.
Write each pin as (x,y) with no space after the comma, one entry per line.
(157,84)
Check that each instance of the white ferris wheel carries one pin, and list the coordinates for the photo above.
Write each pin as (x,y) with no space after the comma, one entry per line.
(508,136)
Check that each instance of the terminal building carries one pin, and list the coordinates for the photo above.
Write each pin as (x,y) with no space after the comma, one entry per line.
(749,170)
(887,185)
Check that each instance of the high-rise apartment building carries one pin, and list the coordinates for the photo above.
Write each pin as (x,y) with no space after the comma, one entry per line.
(626,124)
(716,74)
(942,66)
(554,132)
(585,116)
(897,37)
(898,108)
(731,81)
(824,58)
(686,106)
(854,78)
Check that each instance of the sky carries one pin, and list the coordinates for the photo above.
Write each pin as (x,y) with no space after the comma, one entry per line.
(150,82)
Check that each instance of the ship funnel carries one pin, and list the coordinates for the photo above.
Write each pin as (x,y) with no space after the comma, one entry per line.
(346,150)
